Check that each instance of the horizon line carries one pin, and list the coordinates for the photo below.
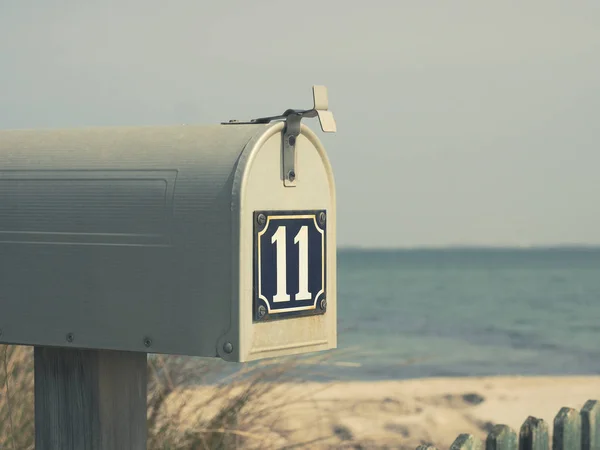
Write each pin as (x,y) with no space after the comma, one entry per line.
(473,247)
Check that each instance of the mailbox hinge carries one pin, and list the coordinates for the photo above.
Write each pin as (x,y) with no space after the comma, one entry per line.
(293,119)
(290,133)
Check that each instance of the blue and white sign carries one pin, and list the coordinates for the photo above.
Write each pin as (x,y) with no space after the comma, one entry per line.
(289,264)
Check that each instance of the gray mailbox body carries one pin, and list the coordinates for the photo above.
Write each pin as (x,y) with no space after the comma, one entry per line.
(148,239)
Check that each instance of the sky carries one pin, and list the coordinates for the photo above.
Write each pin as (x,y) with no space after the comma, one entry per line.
(459,123)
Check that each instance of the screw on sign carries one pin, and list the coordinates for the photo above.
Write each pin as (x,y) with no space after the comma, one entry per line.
(262,311)
(322,218)
(323,303)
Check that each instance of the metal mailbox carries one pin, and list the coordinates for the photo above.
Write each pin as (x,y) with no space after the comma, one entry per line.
(195,240)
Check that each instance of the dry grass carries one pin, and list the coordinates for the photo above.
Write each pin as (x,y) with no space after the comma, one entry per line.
(16,398)
(230,414)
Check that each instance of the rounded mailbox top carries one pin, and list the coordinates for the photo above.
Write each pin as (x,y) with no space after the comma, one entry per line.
(146,235)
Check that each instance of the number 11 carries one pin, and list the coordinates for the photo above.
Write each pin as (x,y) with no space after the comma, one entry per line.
(280,240)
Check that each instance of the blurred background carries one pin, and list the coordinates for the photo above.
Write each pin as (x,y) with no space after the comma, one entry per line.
(466,158)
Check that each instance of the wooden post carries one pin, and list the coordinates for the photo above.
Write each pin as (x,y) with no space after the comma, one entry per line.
(90,399)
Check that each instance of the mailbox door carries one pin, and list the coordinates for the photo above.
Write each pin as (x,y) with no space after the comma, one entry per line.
(286,261)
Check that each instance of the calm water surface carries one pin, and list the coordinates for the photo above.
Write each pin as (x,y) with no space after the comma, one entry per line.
(422,313)
(469,312)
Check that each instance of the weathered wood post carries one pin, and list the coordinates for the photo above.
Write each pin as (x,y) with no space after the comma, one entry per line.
(90,399)
(213,241)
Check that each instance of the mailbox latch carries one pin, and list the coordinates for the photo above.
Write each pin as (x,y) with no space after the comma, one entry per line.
(293,118)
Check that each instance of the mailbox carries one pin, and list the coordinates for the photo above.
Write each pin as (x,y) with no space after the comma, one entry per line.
(193,240)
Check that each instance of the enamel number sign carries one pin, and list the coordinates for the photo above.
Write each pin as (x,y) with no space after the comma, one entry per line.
(289,264)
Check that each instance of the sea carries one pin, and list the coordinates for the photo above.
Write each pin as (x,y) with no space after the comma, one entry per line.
(463,312)
(468,312)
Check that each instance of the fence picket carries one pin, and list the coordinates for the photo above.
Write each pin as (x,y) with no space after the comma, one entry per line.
(534,435)
(567,430)
(466,442)
(501,438)
(590,426)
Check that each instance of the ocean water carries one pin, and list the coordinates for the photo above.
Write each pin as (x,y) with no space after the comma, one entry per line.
(474,312)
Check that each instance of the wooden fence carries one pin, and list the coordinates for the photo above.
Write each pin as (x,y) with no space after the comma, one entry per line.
(573,430)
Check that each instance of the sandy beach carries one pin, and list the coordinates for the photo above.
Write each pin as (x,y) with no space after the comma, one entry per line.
(400,414)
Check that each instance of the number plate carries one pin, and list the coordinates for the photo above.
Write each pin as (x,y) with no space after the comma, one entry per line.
(289,264)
